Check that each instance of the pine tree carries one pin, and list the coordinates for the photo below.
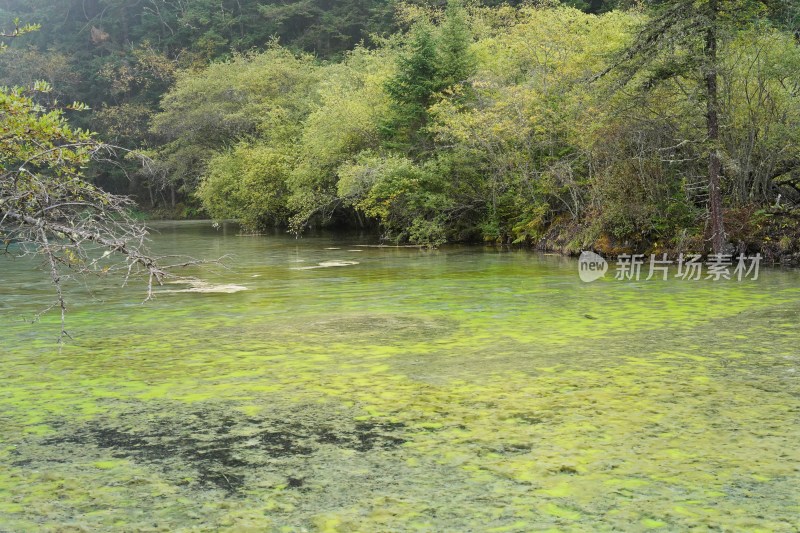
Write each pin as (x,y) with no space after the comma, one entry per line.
(417,78)
(699,27)
(434,61)
(456,62)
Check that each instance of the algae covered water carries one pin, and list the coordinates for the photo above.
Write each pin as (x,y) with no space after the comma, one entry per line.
(396,389)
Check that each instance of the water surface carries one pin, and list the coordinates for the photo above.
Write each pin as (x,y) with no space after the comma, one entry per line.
(461,389)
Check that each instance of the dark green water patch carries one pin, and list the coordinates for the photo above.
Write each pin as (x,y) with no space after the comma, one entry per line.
(212,447)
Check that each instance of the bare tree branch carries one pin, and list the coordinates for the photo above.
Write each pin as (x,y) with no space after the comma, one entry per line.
(48,209)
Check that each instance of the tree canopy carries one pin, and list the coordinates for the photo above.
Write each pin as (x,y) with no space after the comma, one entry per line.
(620,126)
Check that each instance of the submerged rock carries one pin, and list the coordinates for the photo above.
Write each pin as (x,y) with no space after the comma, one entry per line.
(204,286)
(328,264)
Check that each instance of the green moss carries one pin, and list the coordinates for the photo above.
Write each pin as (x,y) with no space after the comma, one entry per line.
(416,392)
(107,465)
(651,523)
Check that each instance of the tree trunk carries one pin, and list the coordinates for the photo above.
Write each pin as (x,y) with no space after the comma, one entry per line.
(125,25)
(718,237)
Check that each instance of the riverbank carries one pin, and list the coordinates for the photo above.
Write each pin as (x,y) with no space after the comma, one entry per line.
(772,232)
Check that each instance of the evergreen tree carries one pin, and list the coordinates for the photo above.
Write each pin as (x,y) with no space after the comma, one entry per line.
(457,63)
(431,64)
(413,87)
(699,27)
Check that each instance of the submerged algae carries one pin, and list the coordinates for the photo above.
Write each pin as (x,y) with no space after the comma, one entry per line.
(459,389)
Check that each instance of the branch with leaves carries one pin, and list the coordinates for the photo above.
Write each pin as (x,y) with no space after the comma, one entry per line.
(48,209)
(18,30)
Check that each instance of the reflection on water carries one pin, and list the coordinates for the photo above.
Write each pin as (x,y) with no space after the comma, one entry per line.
(465,388)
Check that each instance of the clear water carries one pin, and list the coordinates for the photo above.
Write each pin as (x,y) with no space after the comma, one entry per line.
(462,389)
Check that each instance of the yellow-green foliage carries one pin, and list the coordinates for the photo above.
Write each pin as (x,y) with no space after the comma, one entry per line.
(518,119)
(239,97)
(761,76)
(33,135)
(247,183)
(264,95)
(352,103)
(407,198)
(533,119)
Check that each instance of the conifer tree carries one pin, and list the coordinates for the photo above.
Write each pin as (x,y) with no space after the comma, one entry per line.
(699,27)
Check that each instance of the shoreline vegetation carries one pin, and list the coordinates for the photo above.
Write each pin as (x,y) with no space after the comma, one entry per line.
(773,234)
(617,127)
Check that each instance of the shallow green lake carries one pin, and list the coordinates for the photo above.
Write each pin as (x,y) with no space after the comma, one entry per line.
(463,389)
